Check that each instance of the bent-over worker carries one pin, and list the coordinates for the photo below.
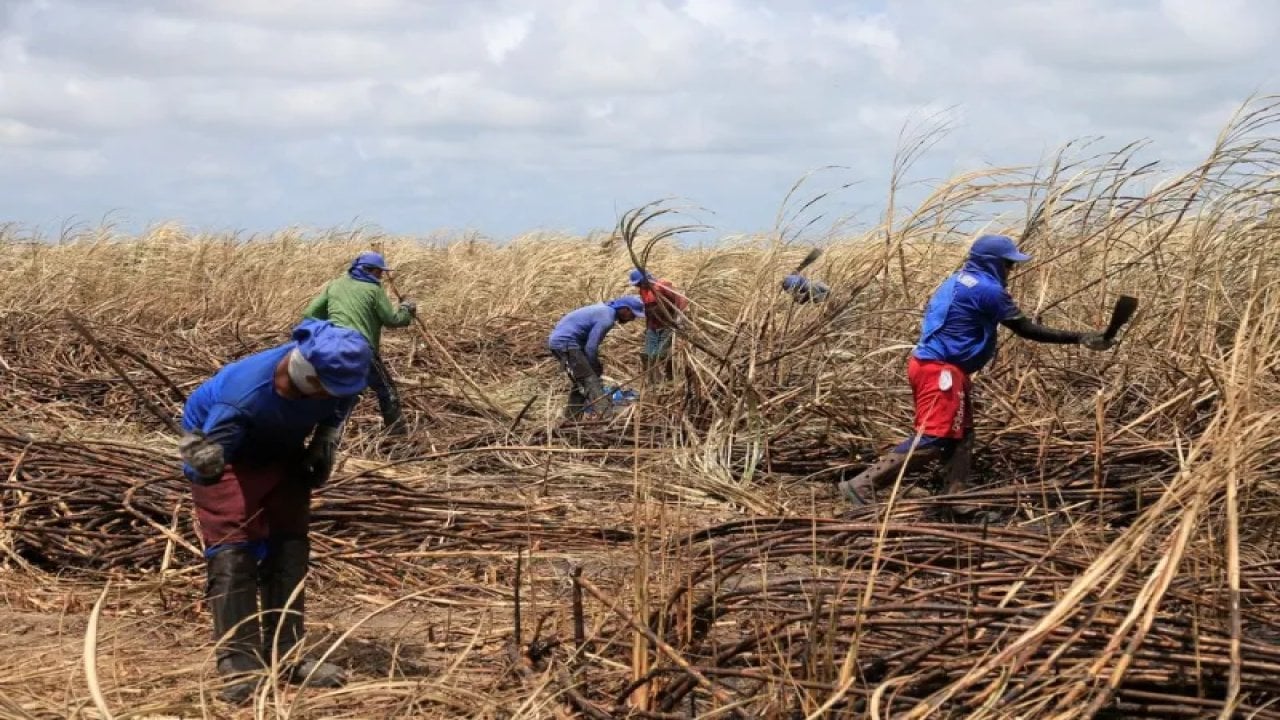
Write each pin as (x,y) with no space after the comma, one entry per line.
(575,343)
(803,290)
(252,470)
(957,339)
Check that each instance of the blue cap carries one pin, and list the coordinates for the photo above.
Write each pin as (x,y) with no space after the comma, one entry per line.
(339,355)
(794,282)
(370,259)
(635,277)
(630,302)
(998,246)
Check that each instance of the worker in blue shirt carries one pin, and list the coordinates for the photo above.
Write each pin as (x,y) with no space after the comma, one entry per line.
(957,339)
(803,290)
(575,342)
(246,452)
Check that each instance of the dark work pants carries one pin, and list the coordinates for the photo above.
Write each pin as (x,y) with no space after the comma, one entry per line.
(254,522)
(588,390)
(385,388)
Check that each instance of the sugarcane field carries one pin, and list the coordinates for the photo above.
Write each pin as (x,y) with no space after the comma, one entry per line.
(781,475)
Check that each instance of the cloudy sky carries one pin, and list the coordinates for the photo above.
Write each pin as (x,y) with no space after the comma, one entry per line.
(512,115)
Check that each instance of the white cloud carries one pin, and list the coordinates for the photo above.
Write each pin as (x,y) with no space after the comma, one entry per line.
(506,34)
(1231,28)
(15,132)
(512,114)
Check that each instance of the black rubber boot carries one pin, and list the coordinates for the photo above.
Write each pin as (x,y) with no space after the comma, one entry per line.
(592,388)
(388,397)
(392,415)
(395,427)
(574,405)
(284,619)
(232,594)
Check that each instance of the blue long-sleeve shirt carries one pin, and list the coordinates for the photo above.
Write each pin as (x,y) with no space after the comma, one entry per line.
(584,328)
(240,410)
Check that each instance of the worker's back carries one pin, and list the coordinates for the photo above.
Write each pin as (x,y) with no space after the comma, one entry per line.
(360,305)
(574,329)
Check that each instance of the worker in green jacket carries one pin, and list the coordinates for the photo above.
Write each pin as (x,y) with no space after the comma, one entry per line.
(357,301)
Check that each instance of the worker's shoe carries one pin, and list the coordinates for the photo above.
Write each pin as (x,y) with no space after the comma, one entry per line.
(852,494)
(232,593)
(392,414)
(860,490)
(396,427)
(284,613)
(315,673)
(239,687)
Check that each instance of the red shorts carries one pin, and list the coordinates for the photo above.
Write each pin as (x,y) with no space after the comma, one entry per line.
(252,503)
(944,398)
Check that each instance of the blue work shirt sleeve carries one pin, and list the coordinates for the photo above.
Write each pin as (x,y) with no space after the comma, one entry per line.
(598,331)
(226,425)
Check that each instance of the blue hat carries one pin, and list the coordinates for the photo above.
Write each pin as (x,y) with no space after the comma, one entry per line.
(370,259)
(338,357)
(998,246)
(636,276)
(630,302)
(793,282)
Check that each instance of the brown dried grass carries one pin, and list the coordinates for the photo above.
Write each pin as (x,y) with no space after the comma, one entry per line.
(1132,571)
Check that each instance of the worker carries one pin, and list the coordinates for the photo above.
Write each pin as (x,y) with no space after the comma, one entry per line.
(575,343)
(246,452)
(957,339)
(357,301)
(803,290)
(664,307)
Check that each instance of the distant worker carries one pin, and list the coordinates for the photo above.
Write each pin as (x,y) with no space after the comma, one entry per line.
(575,342)
(357,301)
(663,307)
(252,470)
(957,339)
(803,290)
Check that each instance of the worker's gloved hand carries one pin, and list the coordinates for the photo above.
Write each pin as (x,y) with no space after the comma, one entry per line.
(203,455)
(321,455)
(1097,342)
(409,306)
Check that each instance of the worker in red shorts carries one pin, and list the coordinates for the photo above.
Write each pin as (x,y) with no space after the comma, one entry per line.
(958,338)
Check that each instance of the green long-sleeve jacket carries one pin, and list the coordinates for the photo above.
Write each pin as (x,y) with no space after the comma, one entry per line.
(358,305)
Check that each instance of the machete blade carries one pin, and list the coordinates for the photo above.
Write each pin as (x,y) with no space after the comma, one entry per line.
(1126,306)
(809,259)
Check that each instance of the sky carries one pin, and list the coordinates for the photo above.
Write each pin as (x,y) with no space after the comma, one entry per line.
(508,116)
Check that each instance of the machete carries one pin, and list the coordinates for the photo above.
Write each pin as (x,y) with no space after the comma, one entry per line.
(808,260)
(1126,306)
